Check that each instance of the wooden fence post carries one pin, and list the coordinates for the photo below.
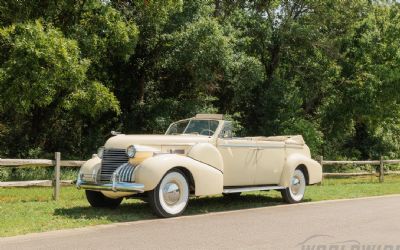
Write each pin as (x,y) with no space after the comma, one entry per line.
(56,181)
(381,170)
(321,162)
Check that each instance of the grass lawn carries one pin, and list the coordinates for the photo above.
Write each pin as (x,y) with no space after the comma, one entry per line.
(26,210)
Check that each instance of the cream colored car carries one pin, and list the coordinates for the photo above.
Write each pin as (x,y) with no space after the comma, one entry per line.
(197,156)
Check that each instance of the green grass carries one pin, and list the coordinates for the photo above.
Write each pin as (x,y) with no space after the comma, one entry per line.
(26,210)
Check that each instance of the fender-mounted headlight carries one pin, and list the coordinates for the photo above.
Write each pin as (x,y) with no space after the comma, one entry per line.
(100,152)
(131,151)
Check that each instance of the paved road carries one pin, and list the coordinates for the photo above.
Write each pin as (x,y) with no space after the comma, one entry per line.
(350,224)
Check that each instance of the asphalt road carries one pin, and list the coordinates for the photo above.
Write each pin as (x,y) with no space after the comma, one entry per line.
(348,224)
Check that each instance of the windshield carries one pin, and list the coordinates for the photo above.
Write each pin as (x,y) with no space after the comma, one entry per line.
(192,126)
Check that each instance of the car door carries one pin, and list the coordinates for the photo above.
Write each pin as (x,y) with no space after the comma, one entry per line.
(239,161)
(270,162)
(239,156)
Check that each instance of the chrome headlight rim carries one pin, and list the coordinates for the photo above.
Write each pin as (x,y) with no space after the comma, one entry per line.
(131,151)
(100,152)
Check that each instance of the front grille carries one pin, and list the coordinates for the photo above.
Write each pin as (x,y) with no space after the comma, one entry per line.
(125,172)
(112,159)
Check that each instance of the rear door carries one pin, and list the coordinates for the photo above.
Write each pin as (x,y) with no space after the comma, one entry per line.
(270,162)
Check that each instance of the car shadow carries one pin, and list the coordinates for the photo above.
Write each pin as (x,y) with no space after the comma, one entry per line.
(125,212)
(139,210)
(220,203)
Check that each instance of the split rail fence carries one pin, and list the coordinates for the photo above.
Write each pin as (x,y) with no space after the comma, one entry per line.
(57,163)
(380,171)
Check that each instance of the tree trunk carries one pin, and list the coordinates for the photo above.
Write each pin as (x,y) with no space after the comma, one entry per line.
(271,66)
(217,11)
(141,88)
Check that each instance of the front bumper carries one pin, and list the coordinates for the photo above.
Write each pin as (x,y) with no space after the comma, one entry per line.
(113,186)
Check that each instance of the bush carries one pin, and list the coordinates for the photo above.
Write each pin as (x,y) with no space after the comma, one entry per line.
(36,173)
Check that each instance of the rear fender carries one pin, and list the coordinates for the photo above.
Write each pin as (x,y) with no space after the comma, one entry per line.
(314,169)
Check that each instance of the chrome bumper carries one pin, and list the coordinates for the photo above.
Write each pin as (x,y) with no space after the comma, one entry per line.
(113,186)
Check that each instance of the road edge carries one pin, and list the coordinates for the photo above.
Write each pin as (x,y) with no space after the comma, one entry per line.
(70,231)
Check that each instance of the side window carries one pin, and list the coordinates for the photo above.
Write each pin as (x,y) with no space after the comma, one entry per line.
(173,129)
(227,130)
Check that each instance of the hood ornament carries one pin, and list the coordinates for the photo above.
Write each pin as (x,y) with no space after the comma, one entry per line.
(115,133)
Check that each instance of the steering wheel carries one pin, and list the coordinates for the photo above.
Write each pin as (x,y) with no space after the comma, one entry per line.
(208,132)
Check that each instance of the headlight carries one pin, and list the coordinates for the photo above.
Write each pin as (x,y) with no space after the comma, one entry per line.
(100,152)
(131,151)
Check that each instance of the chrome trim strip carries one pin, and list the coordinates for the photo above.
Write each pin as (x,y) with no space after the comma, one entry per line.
(207,164)
(248,146)
(257,146)
(248,189)
(179,143)
(294,146)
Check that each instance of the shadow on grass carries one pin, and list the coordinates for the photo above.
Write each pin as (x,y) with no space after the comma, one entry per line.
(142,210)
(125,212)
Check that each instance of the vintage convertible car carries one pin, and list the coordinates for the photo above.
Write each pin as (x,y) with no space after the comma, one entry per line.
(197,156)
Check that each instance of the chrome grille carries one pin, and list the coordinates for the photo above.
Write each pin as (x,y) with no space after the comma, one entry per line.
(112,159)
(125,172)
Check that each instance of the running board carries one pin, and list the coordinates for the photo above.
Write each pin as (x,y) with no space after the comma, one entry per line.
(248,189)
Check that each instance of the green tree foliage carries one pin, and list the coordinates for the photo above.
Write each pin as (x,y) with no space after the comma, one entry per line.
(43,82)
(39,65)
(70,71)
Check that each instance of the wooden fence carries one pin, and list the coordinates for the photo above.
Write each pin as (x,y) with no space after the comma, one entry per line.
(57,163)
(381,163)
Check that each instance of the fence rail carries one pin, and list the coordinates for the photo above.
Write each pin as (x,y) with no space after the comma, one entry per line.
(360,162)
(57,163)
(36,183)
(37,163)
(380,162)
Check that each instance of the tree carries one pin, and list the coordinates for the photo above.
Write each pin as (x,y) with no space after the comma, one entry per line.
(326,69)
(42,78)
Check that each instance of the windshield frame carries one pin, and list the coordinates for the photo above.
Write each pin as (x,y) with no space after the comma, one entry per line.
(189,120)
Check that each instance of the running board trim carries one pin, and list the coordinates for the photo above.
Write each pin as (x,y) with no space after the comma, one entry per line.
(248,189)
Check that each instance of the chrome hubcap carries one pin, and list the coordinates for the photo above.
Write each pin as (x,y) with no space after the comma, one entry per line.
(171,193)
(295,187)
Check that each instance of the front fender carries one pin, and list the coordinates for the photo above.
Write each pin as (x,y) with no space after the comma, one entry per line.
(314,169)
(207,179)
(208,154)
(91,168)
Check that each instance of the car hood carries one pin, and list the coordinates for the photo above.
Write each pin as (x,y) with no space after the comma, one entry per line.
(123,141)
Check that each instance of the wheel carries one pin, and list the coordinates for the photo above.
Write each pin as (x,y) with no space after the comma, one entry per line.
(97,199)
(171,195)
(231,195)
(295,192)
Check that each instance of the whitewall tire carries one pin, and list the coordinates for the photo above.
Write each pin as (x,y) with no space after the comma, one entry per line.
(297,187)
(171,195)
